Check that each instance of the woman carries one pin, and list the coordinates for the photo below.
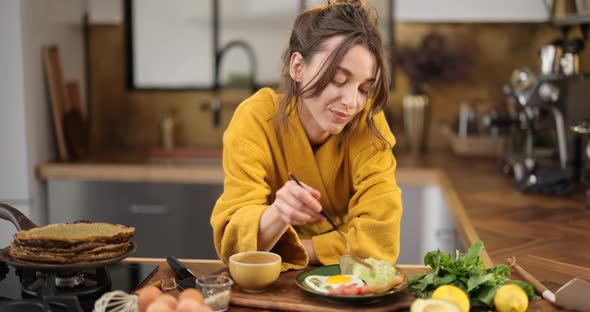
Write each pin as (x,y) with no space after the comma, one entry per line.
(328,129)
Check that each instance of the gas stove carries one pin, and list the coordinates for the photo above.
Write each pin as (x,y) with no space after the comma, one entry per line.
(67,291)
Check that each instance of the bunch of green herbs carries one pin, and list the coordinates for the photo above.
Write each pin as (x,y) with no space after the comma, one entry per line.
(466,272)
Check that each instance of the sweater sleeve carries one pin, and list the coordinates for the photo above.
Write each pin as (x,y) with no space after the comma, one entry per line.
(236,216)
(372,225)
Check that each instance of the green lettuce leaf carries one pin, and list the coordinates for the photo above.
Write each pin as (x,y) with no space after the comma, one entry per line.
(467,272)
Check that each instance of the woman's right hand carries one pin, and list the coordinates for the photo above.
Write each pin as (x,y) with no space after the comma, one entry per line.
(297,205)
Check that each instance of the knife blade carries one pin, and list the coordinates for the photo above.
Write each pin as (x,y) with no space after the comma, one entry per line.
(186,278)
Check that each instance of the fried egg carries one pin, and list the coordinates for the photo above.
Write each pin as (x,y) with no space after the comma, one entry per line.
(324,284)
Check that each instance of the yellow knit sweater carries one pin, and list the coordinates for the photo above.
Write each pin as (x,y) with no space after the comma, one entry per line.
(357,184)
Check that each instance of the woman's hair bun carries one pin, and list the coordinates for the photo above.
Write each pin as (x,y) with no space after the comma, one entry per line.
(360,6)
(355,3)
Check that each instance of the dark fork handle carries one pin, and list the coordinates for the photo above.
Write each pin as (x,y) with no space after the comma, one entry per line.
(323,212)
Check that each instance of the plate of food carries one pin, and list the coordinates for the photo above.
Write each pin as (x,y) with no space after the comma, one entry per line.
(362,286)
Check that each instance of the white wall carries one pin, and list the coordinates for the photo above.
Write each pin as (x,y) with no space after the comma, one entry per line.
(26,127)
(472,10)
(14,188)
(12,113)
(46,22)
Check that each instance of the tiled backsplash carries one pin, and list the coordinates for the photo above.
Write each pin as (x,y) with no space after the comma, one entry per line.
(130,119)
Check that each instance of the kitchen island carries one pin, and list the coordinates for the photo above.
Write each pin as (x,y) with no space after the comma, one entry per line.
(548,235)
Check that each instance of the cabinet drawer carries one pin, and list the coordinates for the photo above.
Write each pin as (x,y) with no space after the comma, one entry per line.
(170,219)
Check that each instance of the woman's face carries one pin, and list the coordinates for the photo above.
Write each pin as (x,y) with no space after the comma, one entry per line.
(343,98)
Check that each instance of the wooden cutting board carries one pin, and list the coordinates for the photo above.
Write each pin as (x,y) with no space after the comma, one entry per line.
(285,295)
(75,122)
(58,96)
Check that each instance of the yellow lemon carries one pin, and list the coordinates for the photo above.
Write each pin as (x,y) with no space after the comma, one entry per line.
(511,298)
(453,294)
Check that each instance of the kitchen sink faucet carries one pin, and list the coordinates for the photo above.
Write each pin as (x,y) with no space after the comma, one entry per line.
(215,104)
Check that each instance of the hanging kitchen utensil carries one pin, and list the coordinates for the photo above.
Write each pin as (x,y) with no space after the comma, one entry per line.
(572,296)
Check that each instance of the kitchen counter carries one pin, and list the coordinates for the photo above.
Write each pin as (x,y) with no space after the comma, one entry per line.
(136,166)
(285,295)
(548,235)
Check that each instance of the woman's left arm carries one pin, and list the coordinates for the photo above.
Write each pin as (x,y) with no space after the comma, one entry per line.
(373,217)
(375,209)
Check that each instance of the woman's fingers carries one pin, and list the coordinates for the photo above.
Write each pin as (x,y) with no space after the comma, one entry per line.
(290,215)
(315,193)
(307,198)
(297,205)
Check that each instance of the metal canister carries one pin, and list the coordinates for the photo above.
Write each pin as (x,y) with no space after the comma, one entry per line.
(550,59)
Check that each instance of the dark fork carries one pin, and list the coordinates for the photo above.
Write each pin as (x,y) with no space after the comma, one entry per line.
(323,212)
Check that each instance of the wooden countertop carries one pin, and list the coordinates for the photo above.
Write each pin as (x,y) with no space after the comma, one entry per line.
(548,235)
(137,166)
(285,295)
(202,173)
(512,223)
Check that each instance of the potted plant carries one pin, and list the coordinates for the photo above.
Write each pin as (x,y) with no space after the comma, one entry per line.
(433,62)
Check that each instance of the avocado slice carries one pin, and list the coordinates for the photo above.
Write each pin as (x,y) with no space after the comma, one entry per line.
(433,305)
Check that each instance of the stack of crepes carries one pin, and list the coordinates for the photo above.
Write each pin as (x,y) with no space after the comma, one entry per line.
(71,243)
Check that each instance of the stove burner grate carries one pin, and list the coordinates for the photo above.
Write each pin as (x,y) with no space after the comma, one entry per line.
(70,280)
(47,304)
(85,287)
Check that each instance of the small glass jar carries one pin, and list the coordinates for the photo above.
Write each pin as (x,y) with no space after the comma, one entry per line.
(216,291)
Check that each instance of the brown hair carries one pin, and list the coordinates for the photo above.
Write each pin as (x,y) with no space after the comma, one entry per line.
(356,22)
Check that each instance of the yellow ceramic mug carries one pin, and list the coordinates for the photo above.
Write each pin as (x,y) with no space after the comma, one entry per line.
(254,271)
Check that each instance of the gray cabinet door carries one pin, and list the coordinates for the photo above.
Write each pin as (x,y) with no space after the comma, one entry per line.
(170,219)
(426,225)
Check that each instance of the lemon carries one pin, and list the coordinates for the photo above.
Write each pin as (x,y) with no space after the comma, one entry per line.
(511,298)
(453,294)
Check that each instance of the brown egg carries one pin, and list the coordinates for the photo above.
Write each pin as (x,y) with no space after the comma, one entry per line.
(191,305)
(168,300)
(159,306)
(191,293)
(146,296)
